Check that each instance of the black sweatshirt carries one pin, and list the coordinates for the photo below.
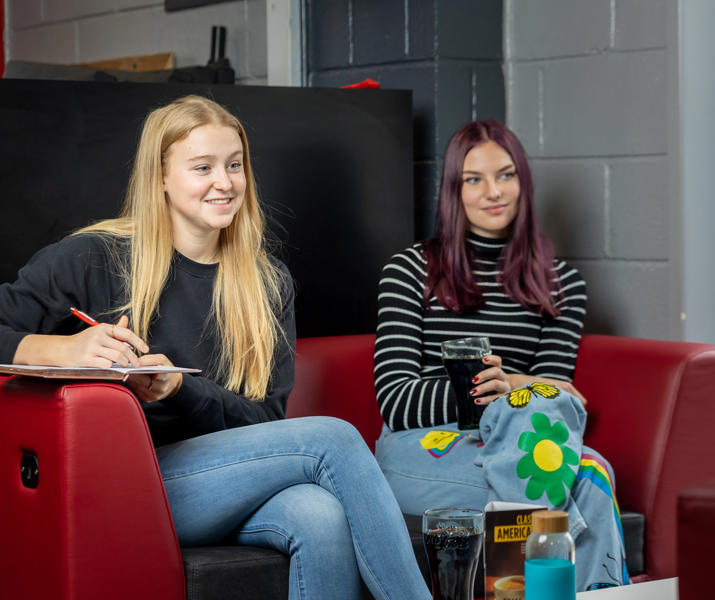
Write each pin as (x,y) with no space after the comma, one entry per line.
(78,271)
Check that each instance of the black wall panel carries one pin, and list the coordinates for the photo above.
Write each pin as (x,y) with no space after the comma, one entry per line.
(334,170)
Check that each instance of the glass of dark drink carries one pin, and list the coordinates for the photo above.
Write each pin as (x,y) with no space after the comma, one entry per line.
(462,360)
(453,541)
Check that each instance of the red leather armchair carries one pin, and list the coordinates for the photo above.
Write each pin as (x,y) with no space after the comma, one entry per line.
(97,523)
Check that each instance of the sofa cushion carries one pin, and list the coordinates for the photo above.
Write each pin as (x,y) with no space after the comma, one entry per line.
(230,572)
(224,572)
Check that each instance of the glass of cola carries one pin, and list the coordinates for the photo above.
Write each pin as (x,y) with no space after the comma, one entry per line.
(453,541)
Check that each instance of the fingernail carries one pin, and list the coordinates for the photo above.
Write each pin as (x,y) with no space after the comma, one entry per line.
(485,360)
(473,392)
(477,401)
(475,379)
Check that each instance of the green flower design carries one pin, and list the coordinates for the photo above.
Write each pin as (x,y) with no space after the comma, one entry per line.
(547,460)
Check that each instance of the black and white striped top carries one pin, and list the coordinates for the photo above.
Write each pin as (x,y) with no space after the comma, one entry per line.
(412,386)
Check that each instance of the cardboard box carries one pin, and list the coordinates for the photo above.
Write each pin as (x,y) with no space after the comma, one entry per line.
(506,527)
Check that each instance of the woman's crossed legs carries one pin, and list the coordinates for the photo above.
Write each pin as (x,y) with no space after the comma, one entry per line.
(273,482)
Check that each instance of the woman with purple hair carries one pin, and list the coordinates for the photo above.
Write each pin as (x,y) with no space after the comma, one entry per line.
(490,271)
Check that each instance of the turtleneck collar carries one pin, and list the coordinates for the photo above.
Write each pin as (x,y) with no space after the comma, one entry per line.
(486,247)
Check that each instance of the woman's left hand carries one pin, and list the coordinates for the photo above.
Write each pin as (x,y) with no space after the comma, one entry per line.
(151,388)
(492,381)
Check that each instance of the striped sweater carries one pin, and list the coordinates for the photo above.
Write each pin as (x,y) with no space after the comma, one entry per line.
(411,384)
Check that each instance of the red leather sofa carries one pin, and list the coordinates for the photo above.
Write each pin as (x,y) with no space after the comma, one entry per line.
(97,524)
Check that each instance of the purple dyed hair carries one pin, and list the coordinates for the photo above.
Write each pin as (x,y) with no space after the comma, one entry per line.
(527,260)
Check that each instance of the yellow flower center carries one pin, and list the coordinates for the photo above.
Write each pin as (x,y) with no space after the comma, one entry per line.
(548,456)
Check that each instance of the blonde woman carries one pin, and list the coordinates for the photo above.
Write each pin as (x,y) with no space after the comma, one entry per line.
(182,276)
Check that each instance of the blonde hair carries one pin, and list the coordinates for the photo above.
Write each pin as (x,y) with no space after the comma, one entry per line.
(247,289)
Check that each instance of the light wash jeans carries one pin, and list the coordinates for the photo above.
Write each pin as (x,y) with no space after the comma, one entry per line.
(307,487)
(471,468)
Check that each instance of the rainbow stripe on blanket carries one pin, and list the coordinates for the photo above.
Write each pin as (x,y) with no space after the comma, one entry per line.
(594,469)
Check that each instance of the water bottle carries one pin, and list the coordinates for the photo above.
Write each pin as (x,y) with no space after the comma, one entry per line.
(550,571)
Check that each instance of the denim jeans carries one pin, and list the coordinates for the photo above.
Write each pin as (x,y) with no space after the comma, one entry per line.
(427,469)
(307,487)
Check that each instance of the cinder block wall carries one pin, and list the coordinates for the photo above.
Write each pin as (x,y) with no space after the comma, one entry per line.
(592,88)
(448,52)
(68,32)
(588,88)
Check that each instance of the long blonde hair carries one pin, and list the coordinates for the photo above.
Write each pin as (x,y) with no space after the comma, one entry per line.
(247,289)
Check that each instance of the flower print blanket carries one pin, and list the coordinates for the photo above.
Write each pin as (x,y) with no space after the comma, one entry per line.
(532,447)
(533,452)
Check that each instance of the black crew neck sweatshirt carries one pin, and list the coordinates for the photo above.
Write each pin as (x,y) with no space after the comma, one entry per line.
(78,271)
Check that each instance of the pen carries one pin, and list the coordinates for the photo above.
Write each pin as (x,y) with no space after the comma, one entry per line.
(83,316)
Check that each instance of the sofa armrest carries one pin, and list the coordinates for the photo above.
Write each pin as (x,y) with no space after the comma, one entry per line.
(651,410)
(97,525)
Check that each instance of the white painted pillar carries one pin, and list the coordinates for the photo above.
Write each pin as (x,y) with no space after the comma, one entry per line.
(697,175)
(285,42)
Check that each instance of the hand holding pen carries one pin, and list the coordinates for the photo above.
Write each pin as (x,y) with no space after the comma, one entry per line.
(105,344)
(149,388)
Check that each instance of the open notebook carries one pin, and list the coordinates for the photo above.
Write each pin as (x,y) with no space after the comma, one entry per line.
(116,373)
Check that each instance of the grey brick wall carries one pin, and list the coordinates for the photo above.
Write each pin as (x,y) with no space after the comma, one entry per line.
(448,52)
(72,31)
(589,93)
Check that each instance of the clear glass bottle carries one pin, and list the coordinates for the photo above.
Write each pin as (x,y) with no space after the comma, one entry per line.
(550,537)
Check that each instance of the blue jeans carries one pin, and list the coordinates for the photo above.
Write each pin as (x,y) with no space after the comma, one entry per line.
(309,488)
(470,469)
